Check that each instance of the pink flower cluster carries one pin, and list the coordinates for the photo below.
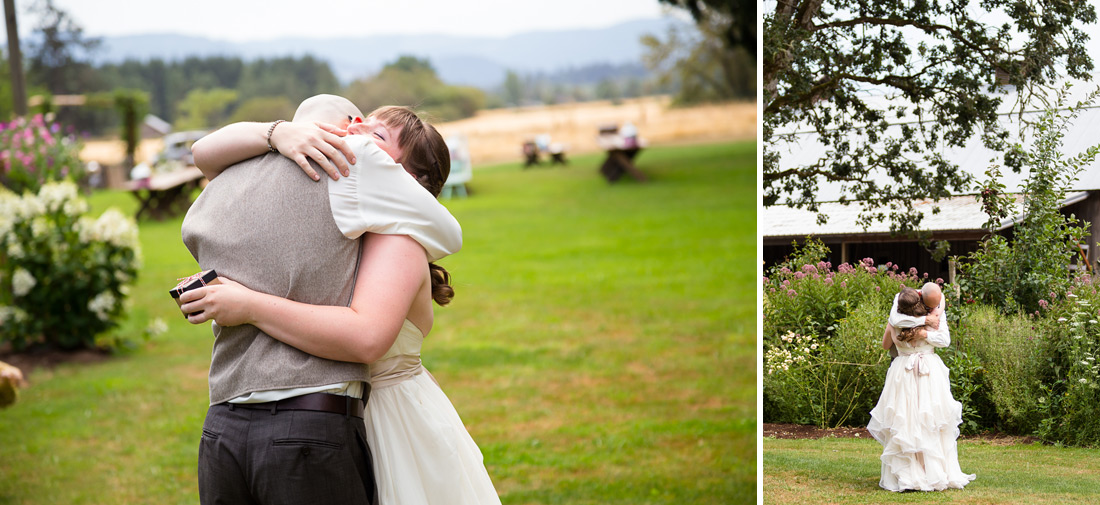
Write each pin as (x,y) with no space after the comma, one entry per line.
(34,150)
(784,279)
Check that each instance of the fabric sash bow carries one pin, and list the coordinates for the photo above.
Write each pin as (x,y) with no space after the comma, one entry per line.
(915,362)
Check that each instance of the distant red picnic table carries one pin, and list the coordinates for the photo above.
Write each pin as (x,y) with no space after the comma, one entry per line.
(167,195)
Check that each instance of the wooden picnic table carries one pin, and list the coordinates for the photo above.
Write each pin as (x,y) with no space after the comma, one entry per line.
(166,195)
(621,161)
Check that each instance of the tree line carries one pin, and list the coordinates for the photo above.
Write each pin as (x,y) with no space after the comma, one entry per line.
(195,92)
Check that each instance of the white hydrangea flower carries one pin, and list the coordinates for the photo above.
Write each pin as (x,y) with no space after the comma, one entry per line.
(29,207)
(22,282)
(76,207)
(156,327)
(115,228)
(102,305)
(54,195)
(15,250)
(12,314)
(40,227)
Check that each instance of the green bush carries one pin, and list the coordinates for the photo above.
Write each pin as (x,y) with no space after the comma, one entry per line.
(1070,404)
(64,276)
(1007,348)
(831,382)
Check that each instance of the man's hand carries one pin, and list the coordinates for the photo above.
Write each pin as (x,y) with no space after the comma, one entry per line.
(932,320)
(226,303)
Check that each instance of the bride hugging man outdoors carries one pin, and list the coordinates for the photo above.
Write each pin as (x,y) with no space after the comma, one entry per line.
(916,419)
(317,392)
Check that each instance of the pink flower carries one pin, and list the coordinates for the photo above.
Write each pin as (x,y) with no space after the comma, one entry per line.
(843,284)
(786,282)
(790,292)
(877,288)
(809,268)
(829,280)
(1042,304)
(799,275)
(939,280)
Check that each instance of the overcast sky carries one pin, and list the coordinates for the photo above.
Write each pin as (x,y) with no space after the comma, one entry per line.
(250,20)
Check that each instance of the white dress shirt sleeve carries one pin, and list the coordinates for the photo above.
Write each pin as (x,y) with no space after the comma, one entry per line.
(940,337)
(380,197)
(899,320)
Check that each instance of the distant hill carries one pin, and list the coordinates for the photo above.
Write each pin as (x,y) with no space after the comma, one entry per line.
(475,61)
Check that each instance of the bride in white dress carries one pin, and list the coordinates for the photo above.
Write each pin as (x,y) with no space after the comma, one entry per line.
(916,419)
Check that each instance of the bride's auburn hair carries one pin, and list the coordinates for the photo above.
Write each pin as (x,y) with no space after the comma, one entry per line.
(424,155)
(910,303)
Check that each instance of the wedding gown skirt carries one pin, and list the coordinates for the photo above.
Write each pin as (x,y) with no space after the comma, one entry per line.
(422,453)
(917,422)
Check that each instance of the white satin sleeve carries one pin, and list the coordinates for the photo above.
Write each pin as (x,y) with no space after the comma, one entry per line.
(378,196)
(899,320)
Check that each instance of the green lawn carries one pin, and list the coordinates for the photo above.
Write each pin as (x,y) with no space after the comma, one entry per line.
(845,470)
(600,348)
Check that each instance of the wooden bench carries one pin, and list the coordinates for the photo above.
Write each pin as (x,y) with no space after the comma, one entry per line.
(167,195)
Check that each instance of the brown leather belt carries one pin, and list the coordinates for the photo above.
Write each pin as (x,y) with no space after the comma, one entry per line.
(317,402)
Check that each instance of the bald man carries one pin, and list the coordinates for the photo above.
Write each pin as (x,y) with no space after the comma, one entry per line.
(935,323)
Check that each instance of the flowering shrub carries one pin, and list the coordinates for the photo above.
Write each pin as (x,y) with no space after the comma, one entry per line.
(827,384)
(1070,403)
(33,152)
(63,276)
(810,298)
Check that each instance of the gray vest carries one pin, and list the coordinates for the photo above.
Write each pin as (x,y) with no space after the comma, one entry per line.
(265,224)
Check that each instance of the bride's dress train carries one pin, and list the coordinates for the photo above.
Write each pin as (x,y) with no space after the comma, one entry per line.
(917,422)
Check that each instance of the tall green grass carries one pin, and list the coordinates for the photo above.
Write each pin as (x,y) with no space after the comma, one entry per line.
(600,348)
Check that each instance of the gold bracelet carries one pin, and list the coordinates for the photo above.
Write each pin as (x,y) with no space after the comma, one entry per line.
(271,130)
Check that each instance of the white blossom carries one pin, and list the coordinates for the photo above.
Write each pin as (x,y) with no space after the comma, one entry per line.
(13,314)
(112,227)
(22,282)
(15,250)
(102,305)
(40,227)
(76,207)
(156,327)
(54,195)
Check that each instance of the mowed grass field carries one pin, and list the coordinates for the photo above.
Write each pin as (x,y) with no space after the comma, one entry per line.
(600,347)
(846,471)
